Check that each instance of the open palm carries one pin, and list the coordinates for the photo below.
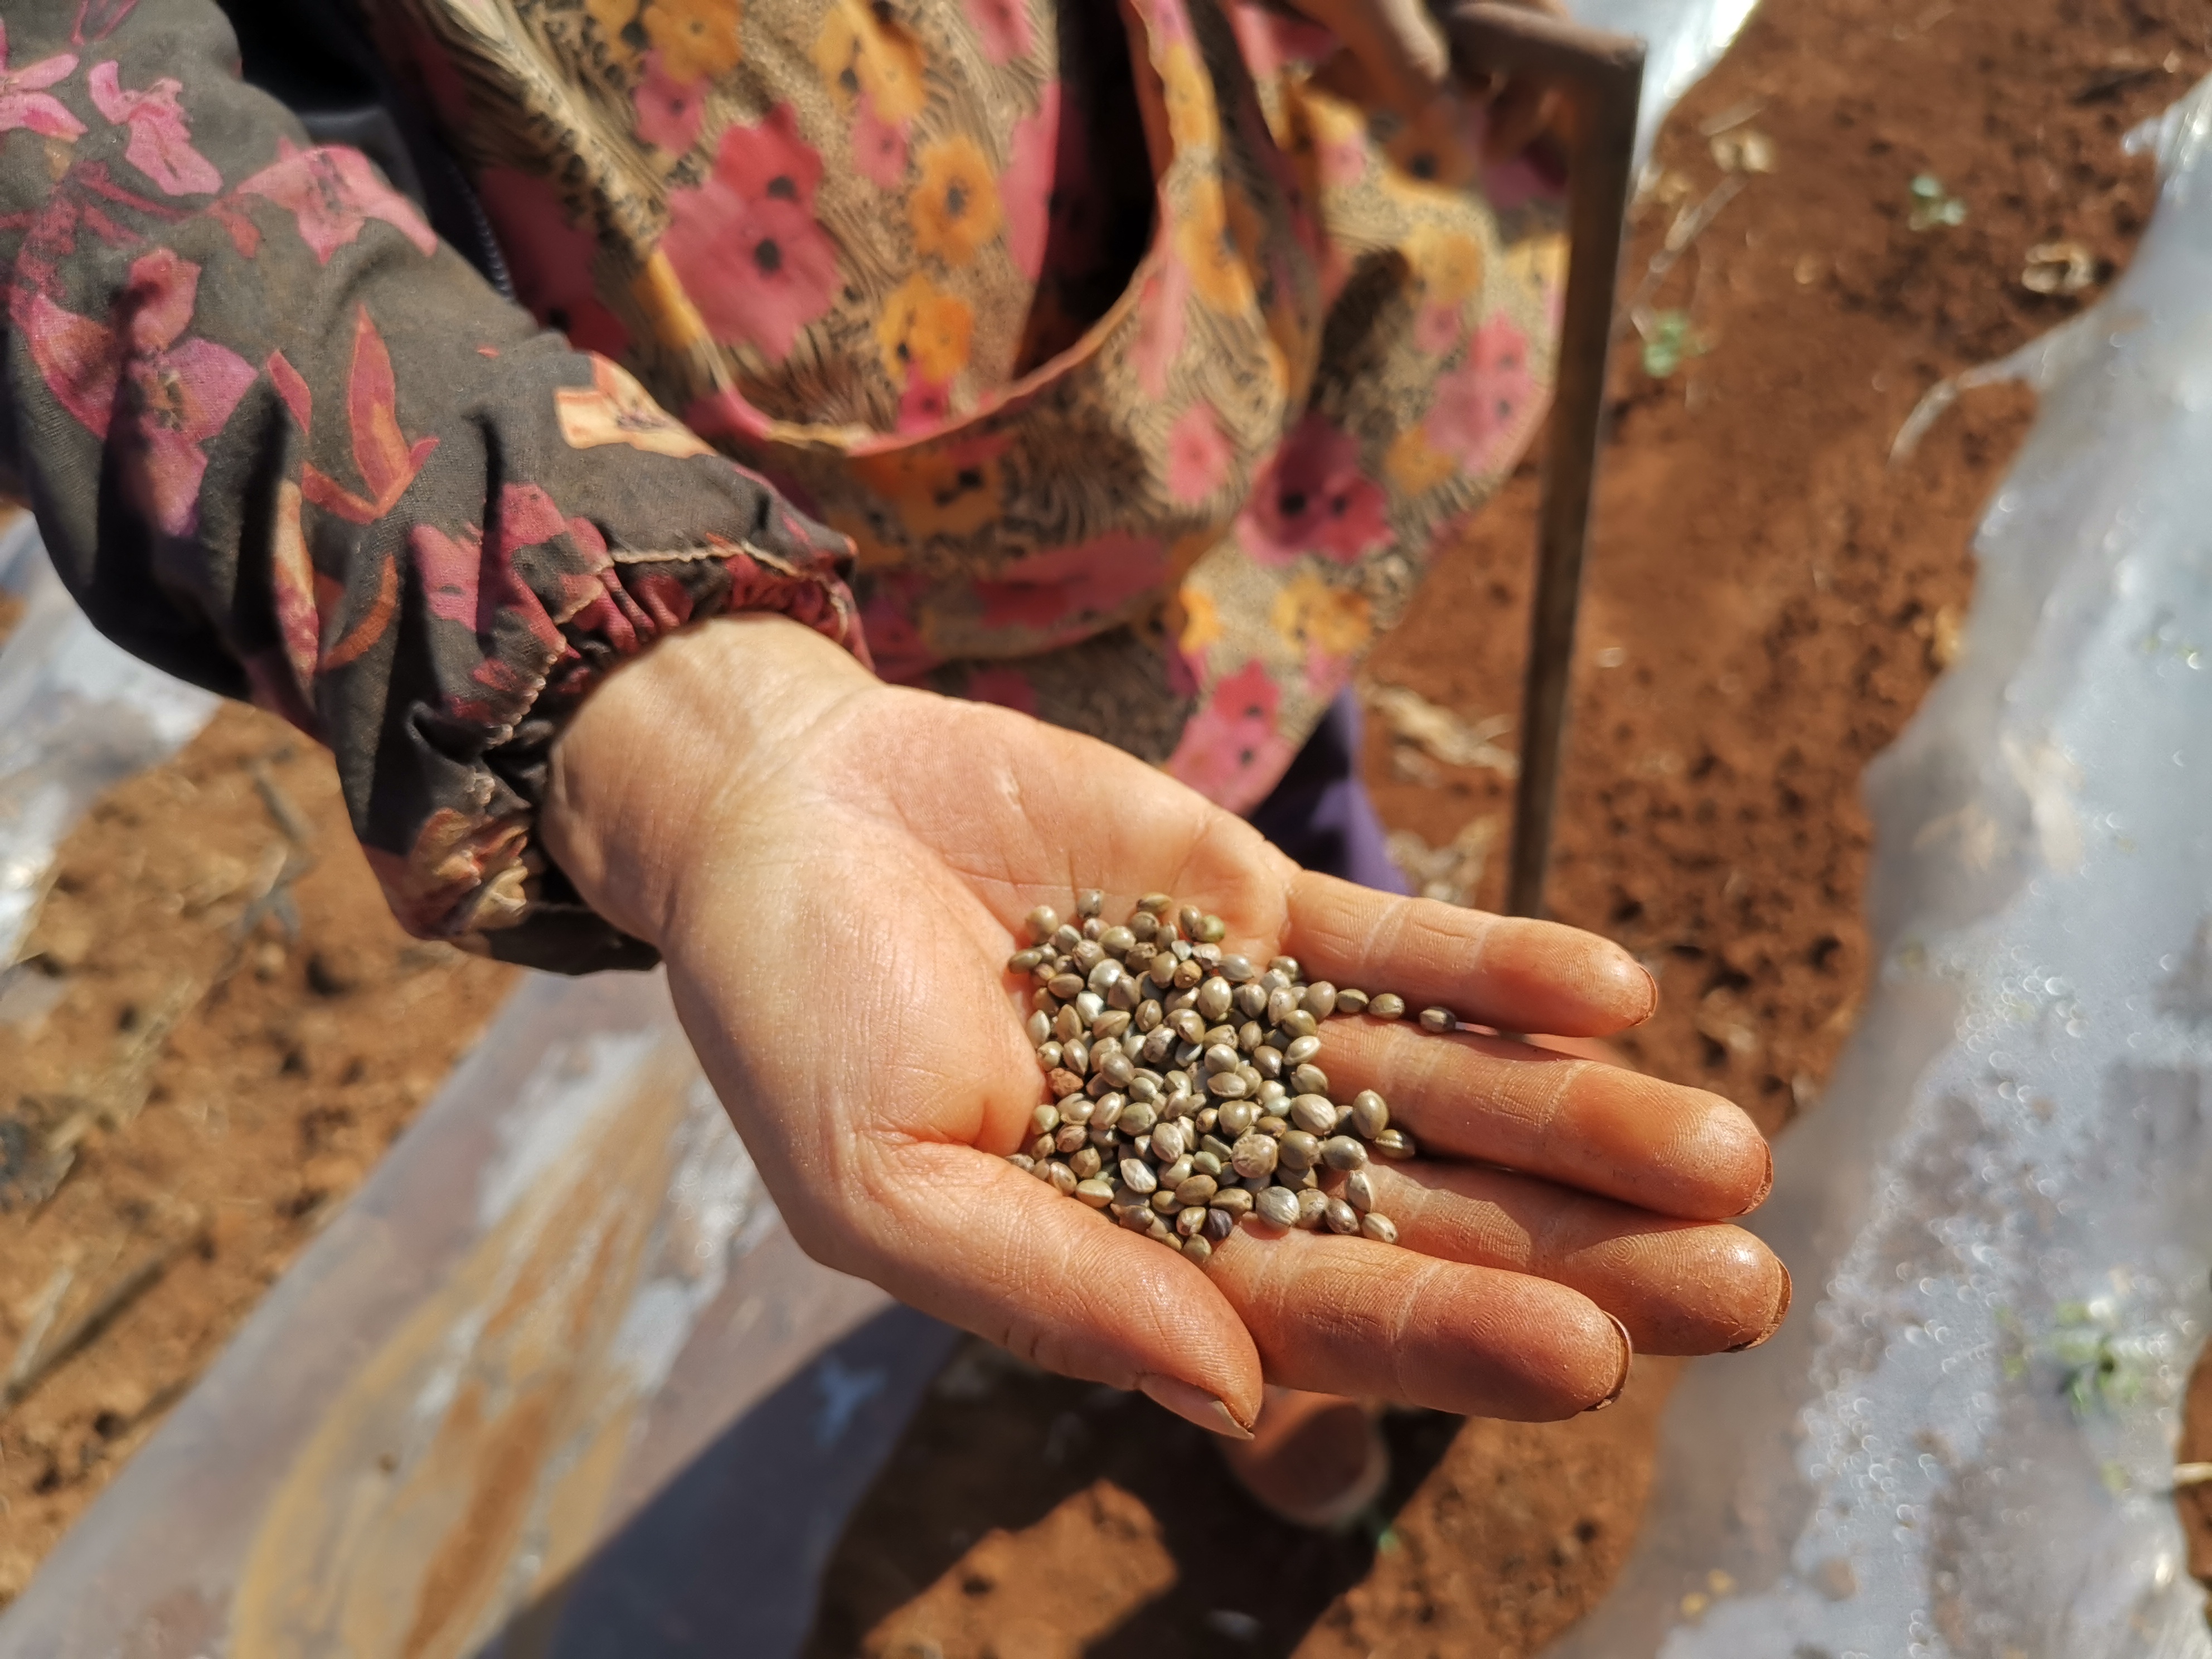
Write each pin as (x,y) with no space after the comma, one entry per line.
(837,899)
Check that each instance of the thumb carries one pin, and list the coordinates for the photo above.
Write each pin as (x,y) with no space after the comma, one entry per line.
(977,1241)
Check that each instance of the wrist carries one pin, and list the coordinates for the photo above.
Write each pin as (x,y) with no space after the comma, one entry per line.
(673,743)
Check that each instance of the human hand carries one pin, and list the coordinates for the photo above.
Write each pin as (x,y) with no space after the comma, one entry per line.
(836,871)
(1400,58)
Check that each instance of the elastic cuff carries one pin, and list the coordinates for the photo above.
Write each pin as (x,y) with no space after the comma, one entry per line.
(479,878)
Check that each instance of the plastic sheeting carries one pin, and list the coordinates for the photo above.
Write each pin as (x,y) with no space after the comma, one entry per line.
(1998,1217)
(77,716)
(1684,39)
(554,1382)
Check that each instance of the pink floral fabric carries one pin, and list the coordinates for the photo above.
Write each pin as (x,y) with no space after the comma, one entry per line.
(280,441)
(1139,369)
(1094,361)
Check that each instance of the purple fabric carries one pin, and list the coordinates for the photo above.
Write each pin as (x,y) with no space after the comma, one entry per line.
(1319,813)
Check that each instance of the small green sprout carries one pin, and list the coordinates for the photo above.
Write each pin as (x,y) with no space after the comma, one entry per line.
(2097,1368)
(1667,341)
(1932,207)
(2012,1345)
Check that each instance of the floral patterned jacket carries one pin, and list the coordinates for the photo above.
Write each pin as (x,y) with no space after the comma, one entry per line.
(1134,377)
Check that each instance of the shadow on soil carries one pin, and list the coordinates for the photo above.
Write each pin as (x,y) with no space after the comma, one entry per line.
(997,1448)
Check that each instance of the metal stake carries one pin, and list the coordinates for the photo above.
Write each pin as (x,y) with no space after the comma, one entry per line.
(1602,76)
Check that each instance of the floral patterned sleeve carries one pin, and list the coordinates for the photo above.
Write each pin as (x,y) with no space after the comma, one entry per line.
(284,444)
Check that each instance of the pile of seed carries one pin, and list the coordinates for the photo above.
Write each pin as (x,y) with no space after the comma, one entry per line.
(1184,1089)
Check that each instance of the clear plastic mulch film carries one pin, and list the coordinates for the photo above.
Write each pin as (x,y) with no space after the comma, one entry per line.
(555,1381)
(1963,1443)
(1683,40)
(76,715)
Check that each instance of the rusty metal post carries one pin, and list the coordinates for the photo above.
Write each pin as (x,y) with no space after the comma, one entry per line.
(1602,76)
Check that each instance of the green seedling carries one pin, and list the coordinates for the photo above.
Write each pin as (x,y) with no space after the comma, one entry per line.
(1932,207)
(2098,1368)
(2012,1345)
(1669,341)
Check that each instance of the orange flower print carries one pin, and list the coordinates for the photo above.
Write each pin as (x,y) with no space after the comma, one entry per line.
(1201,622)
(938,489)
(614,18)
(862,52)
(923,332)
(696,39)
(1447,262)
(1328,136)
(1194,121)
(1218,273)
(955,208)
(1336,621)
(1415,465)
(1442,147)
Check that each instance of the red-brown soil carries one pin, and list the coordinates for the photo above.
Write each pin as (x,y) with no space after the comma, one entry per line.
(239,1081)
(1768,600)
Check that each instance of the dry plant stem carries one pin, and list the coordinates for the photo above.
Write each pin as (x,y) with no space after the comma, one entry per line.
(33,1367)
(837,872)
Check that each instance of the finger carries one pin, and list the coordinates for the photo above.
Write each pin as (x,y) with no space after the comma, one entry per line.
(1681,1287)
(1502,971)
(1680,1151)
(1396,41)
(1489,83)
(979,1243)
(1346,1315)
(1518,115)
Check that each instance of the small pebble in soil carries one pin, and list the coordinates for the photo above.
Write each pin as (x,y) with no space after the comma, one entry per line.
(1184,1091)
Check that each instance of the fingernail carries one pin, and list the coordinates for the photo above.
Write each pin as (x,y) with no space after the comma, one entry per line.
(1192,1405)
(1632,975)
(1781,1313)
(1627,1362)
(1765,1185)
